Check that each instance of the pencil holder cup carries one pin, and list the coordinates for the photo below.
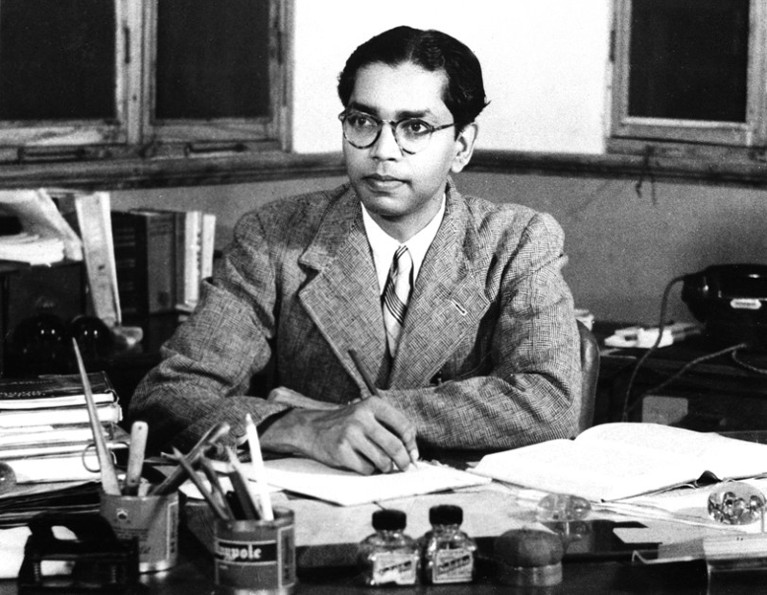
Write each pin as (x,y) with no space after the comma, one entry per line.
(151,520)
(255,557)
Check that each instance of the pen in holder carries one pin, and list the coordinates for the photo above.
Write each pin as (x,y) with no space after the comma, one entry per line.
(255,556)
(152,520)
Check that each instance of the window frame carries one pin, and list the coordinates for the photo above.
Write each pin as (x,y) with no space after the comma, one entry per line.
(632,134)
(77,132)
(132,133)
(204,136)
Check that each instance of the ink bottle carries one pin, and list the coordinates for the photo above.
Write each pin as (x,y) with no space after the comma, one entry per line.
(447,552)
(389,556)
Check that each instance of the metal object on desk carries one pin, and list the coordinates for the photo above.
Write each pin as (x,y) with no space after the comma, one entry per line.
(98,561)
(152,519)
(566,515)
(529,558)
(255,556)
(736,503)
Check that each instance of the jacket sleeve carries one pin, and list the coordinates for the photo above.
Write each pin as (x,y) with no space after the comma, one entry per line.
(530,392)
(209,364)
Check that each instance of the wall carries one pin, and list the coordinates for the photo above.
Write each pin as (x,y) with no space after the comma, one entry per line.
(623,248)
(545,66)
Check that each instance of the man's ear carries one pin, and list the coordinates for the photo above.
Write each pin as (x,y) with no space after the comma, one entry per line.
(464,147)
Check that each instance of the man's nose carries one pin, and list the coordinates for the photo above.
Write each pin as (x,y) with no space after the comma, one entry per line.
(386,146)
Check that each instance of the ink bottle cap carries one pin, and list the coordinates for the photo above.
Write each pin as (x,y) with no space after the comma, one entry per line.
(389,520)
(446,514)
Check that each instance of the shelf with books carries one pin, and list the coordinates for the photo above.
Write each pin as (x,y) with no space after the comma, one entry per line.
(161,257)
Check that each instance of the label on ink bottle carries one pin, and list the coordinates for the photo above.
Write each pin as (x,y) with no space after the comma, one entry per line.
(452,566)
(394,568)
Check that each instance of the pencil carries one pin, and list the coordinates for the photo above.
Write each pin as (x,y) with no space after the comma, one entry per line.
(187,467)
(240,485)
(215,484)
(109,481)
(258,468)
(176,478)
(374,391)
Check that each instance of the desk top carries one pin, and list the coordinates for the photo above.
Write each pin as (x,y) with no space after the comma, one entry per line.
(599,560)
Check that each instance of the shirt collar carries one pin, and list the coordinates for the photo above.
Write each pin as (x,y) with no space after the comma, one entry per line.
(384,246)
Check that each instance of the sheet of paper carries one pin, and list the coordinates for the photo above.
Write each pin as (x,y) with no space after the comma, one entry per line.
(311,478)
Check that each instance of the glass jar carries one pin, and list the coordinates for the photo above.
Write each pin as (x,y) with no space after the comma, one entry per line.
(388,556)
(448,553)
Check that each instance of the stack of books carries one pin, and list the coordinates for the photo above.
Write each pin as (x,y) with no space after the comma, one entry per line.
(45,434)
(161,256)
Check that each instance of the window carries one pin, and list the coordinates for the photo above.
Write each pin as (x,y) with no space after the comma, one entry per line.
(690,72)
(103,78)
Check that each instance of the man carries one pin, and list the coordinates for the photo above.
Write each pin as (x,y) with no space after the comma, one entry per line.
(454,306)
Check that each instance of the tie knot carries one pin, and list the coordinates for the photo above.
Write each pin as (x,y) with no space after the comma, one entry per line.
(402,261)
(396,295)
(401,270)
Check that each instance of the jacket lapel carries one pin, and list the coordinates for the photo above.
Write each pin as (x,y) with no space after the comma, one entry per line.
(447,302)
(342,299)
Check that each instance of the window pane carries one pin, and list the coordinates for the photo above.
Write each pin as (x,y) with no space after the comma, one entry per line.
(212,59)
(688,59)
(57,59)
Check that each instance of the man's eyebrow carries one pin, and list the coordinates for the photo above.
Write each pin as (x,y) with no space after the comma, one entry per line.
(401,115)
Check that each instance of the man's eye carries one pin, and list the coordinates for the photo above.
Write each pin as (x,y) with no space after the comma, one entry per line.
(361,121)
(415,127)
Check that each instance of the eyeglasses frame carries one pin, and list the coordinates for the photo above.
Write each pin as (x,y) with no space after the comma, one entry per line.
(393,123)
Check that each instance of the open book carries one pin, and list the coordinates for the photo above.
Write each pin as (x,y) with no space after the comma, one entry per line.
(619,460)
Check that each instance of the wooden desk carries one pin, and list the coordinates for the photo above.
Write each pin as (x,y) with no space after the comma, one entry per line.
(599,562)
(581,575)
(715,395)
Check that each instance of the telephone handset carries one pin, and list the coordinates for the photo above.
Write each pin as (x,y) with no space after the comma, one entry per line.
(731,301)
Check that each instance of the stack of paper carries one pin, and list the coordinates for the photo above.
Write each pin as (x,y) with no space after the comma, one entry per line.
(45,434)
(31,248)
(46,236)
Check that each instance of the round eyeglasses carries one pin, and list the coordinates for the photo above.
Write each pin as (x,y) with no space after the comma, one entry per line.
(362,130)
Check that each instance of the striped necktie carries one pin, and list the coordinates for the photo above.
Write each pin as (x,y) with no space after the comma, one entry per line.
(395,296)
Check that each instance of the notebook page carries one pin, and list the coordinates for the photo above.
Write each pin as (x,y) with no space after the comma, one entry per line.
(311,478)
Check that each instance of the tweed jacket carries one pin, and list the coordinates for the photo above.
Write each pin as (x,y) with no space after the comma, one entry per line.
(489,351)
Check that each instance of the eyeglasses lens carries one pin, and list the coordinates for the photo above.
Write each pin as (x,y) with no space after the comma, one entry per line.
(362,132)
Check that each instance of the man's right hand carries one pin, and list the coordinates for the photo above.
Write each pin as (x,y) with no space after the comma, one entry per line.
(364,436)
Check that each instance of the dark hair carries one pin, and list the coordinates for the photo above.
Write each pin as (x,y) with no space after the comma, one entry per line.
(464,94)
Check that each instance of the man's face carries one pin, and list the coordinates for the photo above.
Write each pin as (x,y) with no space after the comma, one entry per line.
(403,191)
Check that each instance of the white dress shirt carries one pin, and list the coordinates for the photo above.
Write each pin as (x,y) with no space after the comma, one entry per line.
(384,246)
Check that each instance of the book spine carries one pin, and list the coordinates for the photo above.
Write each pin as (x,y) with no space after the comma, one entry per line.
(207,245)
(160,248)
(129,236)
(52,385)
(61,467)
(93,214)
(179,250)
(192,231)
(109,413)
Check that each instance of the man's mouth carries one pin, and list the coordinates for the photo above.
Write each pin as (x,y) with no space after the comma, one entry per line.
(383,182)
